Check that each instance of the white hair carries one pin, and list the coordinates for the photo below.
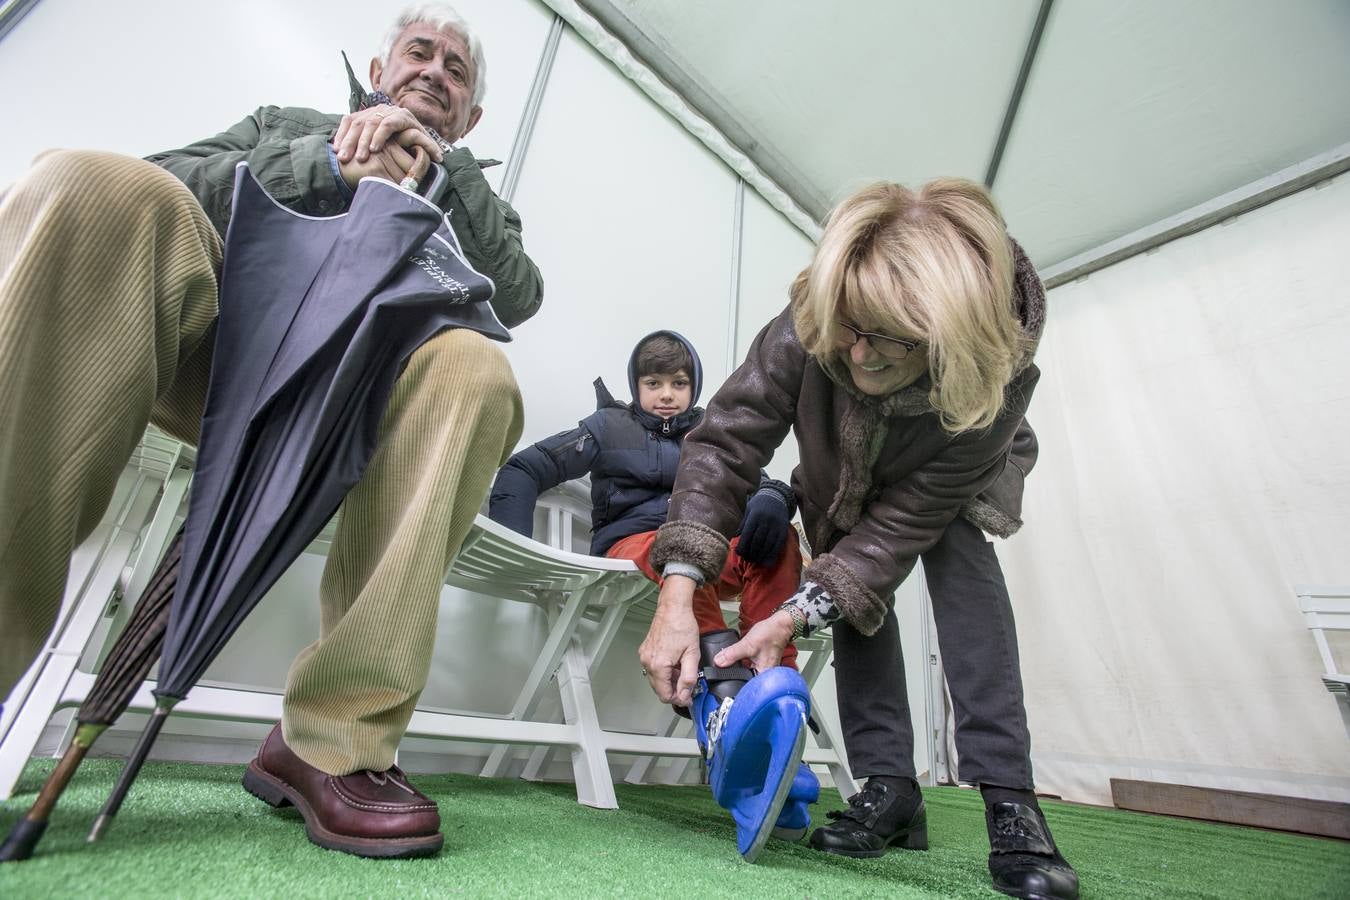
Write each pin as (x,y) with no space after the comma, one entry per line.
(441,16)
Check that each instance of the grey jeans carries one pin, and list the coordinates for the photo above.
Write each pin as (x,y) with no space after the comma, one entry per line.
(978,640)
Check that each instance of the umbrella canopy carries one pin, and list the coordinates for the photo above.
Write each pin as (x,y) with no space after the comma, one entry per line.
(317,318)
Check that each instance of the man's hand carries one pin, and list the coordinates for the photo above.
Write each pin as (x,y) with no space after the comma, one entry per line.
(368,131)
(669,654)
(392,162)
(763,644)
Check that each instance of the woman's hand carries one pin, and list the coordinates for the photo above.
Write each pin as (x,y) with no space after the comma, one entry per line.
(763,644)
(669,654)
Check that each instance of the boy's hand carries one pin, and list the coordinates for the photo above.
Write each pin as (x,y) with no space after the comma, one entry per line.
(764,529)
(669,654)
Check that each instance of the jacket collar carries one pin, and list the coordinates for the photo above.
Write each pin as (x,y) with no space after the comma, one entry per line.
(675,427)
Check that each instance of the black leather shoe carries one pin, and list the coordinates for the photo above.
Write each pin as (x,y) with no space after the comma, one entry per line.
(1023,858)
(877,817)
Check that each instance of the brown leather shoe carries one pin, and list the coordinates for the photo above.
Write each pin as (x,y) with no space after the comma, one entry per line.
(376,814)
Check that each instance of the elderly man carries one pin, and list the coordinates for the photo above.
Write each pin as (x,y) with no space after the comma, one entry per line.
(108,299)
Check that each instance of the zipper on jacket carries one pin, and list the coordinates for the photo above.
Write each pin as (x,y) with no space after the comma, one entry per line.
(581,441)
(665,426)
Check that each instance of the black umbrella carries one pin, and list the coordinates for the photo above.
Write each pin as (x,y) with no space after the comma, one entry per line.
(317,318)
(334,346)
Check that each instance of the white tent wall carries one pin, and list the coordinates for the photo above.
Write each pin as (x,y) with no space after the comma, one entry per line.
(1192,417)
(1191,412)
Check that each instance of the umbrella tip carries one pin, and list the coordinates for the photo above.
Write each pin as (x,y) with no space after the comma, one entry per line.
(22,840)
(100,825)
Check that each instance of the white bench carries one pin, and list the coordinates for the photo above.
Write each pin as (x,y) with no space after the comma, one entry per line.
(1327,608)
(570,587)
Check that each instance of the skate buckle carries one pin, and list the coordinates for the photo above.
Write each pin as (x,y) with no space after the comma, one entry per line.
(715,722)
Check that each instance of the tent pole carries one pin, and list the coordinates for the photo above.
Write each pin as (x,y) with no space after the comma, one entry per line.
(1312,173)
(717,131)
(1015,101)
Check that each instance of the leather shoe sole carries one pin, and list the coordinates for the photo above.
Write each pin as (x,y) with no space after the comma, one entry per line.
(1035,878)
(277,793)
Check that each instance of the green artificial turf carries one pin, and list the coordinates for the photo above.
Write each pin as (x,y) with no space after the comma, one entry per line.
(191,831)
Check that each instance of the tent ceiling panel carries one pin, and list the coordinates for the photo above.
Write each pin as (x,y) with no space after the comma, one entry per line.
(1137,111)
(851,92)
(1133,112)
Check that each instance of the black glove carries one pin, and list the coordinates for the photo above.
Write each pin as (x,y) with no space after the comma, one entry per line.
(764,529)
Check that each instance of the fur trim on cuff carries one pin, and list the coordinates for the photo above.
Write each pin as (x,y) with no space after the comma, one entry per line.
(858,604)
(990,519)
(693,543)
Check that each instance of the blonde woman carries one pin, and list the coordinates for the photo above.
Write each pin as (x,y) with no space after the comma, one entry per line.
(904,366)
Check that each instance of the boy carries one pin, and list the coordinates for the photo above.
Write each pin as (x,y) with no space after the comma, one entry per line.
(631,452)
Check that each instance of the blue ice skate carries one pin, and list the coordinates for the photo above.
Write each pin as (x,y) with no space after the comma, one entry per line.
(751,729)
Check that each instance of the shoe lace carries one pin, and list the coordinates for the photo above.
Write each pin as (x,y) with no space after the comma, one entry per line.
(392,774)
(862,805)
(1021,832)
(1018,827)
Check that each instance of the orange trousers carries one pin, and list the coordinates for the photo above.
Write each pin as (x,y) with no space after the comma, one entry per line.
(762,589)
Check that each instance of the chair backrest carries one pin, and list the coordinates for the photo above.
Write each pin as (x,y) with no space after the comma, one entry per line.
(1325,608)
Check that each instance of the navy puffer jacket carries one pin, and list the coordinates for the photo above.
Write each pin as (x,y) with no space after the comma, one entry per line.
(630,454)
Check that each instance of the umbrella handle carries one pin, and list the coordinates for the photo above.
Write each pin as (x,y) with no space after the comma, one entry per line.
(22,840)
(24,836)
(440,179)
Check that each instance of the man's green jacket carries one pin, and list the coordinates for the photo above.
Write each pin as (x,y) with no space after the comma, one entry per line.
(287,150)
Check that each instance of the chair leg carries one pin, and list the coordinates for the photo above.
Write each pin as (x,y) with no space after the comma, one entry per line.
(639,771)
(590,764)
(826,739)
(96,570)
(527,702)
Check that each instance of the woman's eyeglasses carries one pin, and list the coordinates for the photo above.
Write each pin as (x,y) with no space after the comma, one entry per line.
(889,347)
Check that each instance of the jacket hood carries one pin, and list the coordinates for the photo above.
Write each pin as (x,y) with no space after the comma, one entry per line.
(686,419)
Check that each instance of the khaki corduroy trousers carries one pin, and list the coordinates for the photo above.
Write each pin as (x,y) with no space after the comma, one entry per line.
(107,303)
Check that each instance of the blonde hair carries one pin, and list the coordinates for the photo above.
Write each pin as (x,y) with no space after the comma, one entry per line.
(934,265)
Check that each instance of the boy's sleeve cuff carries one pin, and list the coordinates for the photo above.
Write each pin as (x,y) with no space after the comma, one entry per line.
(685,569)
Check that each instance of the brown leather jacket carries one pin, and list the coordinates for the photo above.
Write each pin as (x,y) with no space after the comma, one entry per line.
(879,479)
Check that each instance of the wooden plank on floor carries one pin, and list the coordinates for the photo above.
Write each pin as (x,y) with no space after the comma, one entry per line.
(1321,817)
